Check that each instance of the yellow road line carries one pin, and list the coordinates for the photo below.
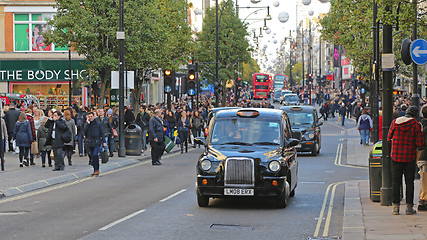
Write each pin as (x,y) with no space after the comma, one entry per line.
(320,219)
(329,216)
(49,189)
(338,159)
(322,211)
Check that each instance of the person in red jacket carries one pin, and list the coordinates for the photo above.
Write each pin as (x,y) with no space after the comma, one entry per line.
(407,141)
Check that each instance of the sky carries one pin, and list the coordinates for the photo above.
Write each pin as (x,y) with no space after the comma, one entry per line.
(278,30)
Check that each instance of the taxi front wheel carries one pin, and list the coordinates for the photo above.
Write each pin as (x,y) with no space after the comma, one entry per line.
(202,200)
(282,201)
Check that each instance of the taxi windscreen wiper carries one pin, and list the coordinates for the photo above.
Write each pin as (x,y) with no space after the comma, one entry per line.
(266,143)
(238,143)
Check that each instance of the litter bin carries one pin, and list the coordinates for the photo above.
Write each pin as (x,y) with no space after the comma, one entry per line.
(375,171)
(133,141)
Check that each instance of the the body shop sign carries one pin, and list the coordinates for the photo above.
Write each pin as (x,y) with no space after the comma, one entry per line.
(41,70)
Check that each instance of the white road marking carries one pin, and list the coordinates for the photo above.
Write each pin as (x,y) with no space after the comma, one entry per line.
(121,220)
(173,195)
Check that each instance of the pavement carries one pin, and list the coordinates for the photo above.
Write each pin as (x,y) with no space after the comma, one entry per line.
(16,180)
(365,219)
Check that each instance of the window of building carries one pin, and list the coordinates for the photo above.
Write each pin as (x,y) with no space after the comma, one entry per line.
(28,35)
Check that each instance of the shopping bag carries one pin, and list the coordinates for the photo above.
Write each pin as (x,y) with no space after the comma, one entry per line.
(177,140)
(34,147)
(104,155)
(15,148)
(339,118)
(169,144)
(192,139)
(423,191)
(6,146)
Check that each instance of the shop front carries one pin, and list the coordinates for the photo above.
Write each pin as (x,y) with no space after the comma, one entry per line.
(48,80)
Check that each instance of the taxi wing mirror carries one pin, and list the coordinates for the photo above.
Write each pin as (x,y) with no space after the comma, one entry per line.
(199,140)
(292,142)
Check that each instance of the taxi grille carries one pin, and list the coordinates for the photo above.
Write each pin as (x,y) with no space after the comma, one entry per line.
(239,171)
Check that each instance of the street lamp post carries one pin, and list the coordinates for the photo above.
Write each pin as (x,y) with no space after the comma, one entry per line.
(387,102)
(415,101)
(69,77)
(303,60)
(216,55)
(121,38)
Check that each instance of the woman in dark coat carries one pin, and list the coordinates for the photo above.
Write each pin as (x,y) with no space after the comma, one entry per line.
(23,137)
(183,126)
(129,117)
(43,148)
(69,147)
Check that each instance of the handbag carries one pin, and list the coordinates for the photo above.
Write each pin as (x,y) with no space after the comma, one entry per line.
(423,190)
(115,134)
(67,136)
(104,155)
(35,147)
(169,144)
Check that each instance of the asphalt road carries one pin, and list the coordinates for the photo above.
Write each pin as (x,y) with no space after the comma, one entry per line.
(159,202)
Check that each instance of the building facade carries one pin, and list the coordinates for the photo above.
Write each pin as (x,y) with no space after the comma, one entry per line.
(27,64)
(30,66)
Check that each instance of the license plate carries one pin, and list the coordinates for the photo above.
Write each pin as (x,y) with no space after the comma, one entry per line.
(298,146)
(238,192)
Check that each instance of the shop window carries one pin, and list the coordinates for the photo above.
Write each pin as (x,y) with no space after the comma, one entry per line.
(29,30)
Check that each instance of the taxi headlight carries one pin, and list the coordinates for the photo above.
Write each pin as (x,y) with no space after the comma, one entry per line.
(311,135)
(205,165)
(274,166)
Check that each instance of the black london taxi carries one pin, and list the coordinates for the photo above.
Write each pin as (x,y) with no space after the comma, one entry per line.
(305,127)
(249,152)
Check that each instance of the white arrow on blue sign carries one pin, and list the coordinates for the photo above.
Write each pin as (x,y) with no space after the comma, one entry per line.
(191,92)
(168,89)
(362,90)
(419,51)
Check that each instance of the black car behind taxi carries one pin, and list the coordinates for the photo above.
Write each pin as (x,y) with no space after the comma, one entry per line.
(305,127)
(249,153)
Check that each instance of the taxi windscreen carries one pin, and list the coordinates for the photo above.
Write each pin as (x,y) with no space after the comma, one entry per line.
(300,118)
(291,98)
(245,131)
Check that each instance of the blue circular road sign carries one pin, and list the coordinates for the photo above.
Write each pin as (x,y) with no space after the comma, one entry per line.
(168,89)
(191,92)
(419,51)
(362,90)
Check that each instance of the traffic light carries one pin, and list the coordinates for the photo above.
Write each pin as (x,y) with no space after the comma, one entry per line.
(191,80)
(310,78)
(168,80)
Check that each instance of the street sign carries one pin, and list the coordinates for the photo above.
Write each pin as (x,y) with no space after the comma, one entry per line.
(191,92)
(362,90)
(168,89)
(419,51)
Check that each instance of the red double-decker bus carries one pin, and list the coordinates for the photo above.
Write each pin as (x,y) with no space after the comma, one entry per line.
(262,84)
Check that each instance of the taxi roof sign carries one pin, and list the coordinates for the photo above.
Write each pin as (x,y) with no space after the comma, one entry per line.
(248,113)
(296,108)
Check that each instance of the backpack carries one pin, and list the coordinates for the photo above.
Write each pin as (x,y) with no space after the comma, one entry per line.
(80,121)
(67,136)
